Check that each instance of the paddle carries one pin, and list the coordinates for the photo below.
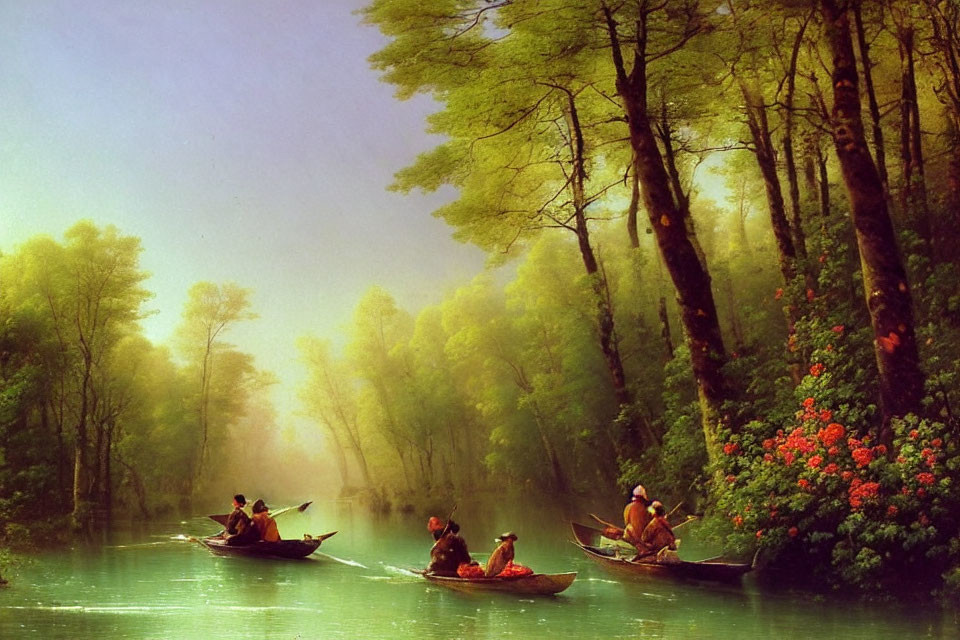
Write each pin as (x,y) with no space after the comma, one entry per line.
(221,519)
(446,527)
(300,509)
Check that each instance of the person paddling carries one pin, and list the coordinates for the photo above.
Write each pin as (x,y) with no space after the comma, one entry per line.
(265,524)
(240,529)
(449,551)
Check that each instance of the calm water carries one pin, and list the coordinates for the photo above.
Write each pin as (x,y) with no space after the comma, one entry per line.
(148,585)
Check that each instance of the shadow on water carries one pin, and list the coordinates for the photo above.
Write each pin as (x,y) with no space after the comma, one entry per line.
(150,582)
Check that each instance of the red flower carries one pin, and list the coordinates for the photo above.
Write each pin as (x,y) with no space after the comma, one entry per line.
(921,492)
(937,442)
(817,369)
(862,457)
(778,294)
(831,469)
(837,329)
(932,460)
(811,295)
(880,449)
(831,434)
(788,457)
(826,415)
(814,462)
(808,403)
(892,510)
(853,443)
(759,534)
(833,451)
(731,448)
(860,491)
(846,475)
(926,453)
(792,532)
(803,483)
(901,459)
(924,520)
(914,434)
(926,478)
(768,443)
(738,521)
(767,457)
(822,258)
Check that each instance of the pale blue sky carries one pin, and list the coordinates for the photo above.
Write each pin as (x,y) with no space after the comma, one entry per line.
(241,140)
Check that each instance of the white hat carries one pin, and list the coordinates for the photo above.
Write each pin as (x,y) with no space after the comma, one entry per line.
(639,492)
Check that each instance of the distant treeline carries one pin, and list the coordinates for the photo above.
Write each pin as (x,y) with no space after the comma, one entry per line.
(94,417)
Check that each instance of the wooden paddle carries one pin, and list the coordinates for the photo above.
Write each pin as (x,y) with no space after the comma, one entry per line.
(446,527)
(221,519)
(300,509)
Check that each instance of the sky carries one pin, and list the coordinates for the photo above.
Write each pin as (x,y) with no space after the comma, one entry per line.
(243,141)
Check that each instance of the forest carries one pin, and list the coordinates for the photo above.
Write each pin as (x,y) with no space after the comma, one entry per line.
(723,240)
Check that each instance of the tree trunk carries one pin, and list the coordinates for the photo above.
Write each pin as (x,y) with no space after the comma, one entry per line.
(824,183)
(885,281)
(767,162)
(675,237)
(81,468)
(867,65)
(913,195)
(796,219)
(631,442)
(634,235)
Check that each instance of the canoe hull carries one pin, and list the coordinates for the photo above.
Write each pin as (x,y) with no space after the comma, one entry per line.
(537,584)
(289,549)
(616,560)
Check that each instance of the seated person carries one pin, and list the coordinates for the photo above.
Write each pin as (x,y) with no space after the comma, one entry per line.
(266,526)
(658,535)
(636,516)
(449,551)
(501,556)
(240,529)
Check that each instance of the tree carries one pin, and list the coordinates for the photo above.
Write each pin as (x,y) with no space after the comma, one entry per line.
(210,311)
(885,281)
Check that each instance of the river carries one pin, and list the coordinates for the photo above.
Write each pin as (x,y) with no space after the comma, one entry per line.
(153,583)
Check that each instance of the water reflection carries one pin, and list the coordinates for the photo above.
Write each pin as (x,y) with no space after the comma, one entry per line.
(148,584)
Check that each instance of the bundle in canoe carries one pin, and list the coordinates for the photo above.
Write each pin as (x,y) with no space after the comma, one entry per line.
(263,549)
(536,584)
(615,559)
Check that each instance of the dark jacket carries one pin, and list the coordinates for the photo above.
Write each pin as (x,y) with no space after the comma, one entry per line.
(234,519)
(447,554)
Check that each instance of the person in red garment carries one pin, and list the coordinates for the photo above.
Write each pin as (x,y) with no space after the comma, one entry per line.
(264,522)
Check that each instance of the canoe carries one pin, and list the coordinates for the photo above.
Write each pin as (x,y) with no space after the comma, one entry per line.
(535,584)
(616,560)
(263,549)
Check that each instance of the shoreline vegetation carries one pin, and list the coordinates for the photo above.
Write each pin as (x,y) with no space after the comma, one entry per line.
(733,279)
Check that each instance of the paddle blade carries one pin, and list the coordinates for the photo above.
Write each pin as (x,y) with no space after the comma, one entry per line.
(304,506)
(221,519)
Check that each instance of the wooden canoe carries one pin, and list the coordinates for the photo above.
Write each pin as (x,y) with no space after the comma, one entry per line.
(615,559)
(536,584)
(290,549)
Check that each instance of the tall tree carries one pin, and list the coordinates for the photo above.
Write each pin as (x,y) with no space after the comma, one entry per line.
(670,222)
(885,281)
(210,311)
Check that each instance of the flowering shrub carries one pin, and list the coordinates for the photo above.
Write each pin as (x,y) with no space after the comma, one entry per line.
(823,498)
